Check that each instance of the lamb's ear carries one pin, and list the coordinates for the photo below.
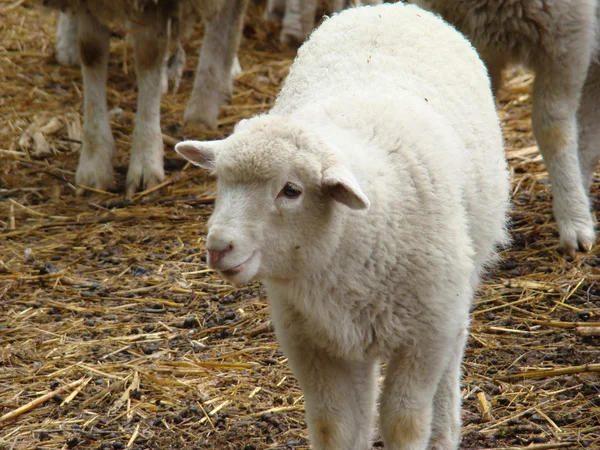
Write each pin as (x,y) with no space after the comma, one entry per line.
(343,187)
(200,153)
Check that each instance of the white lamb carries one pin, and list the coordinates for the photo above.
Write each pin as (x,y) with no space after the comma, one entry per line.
(557,39)
(152,26)
(368,201)
(298,16)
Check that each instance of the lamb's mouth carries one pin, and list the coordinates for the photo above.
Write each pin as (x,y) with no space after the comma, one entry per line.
(237,269)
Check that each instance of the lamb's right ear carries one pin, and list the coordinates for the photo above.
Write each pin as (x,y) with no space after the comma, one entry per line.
(200,153)
(343,187)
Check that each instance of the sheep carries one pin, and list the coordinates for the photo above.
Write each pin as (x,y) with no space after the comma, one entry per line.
(153,26)
(557,39)
(67,53)
(368,201)
(298,16)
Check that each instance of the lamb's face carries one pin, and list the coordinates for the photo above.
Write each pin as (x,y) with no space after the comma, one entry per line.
(275,208)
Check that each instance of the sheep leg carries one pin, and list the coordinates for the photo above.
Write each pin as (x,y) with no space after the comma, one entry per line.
(447,402)
(298,21)
(214,84)
(67,51)
(556,94)
(95,161)
(275,10)
(339,395)
(146,162)
(339,398)
(589,125)
(406,411)
(495,65)
(336,6)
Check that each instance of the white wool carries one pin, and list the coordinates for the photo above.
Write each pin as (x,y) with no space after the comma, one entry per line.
(557,39)
(368,201)
(155,27)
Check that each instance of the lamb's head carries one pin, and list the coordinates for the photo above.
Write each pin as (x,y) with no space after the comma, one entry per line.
(282,194)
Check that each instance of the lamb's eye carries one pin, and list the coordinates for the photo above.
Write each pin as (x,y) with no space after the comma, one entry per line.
(290,190)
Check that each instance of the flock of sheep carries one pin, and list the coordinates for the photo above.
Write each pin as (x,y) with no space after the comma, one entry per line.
(374,194)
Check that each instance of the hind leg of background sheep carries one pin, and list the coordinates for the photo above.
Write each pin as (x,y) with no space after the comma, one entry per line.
(445,430)
(213,84)
(275,10)
(406,410)
(95,160)
(339,399)
(298,21)
(589,125)
(495,65)
(67,49)
(146,162)
(556,94)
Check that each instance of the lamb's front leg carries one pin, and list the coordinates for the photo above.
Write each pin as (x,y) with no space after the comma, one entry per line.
(95,161)
(146,163)
(339,398)
(339,395)
(213,84)
(414,373)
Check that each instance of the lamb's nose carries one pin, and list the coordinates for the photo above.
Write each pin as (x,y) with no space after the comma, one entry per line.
(215,254)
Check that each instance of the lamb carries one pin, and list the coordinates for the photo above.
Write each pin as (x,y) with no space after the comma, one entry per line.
(298,16)
(368,201)
(153,26)
(557,39)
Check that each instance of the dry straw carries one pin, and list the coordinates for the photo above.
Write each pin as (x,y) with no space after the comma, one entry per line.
(114,333)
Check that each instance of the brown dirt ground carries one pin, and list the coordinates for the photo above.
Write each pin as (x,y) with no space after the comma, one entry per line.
(115,296)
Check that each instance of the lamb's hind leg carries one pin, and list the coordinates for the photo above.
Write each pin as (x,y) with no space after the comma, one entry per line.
(556,95)
(95,161)
(146,162)
(214,84)
(589,125)
(445,434)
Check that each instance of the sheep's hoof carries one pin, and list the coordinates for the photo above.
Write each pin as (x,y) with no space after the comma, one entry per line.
(67,55)
(292,38)
(95,170)
(577,235)
(96,179)
(145,174)
(203,112)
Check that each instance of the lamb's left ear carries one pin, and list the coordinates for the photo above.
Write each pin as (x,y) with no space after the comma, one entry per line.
(343,187)
(200,153)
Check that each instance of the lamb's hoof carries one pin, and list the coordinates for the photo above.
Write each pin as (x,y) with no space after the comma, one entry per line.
(442,444)
(577,235)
